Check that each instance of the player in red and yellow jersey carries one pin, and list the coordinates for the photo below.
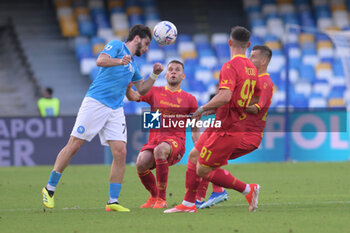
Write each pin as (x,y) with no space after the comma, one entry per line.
(166,145)
(256,120)
(238,83)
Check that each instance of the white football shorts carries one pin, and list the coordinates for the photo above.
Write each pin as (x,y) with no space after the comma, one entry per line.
(95,117)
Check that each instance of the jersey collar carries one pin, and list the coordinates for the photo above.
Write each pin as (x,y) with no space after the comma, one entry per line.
(239,55)
(260,75)
(167,89)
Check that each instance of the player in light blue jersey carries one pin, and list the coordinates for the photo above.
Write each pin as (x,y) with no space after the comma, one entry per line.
(102,112)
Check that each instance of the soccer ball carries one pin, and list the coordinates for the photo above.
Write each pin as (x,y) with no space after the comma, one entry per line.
(165,33)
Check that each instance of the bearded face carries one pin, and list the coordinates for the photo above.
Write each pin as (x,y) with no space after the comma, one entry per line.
(138,49)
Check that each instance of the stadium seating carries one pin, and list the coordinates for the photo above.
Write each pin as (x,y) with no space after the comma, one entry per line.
(315,73)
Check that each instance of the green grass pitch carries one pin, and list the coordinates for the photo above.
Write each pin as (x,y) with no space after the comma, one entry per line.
(295,197)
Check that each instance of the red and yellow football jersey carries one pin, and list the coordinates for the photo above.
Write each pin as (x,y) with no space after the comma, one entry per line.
(240,76)
(174,106)
(257,122)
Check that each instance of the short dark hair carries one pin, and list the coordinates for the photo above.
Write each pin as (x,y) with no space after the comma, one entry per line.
(139,30)
(49,90)
(241,35)
(265,50)
(177,62)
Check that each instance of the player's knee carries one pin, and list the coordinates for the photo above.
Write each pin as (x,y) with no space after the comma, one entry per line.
(161,151)
(140,165)
(119,152)
(73,145)
(193,156)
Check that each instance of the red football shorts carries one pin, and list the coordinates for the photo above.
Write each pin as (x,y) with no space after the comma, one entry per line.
(177,148)
(216,148)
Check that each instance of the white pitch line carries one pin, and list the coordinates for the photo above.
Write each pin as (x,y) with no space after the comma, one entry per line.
(262,204)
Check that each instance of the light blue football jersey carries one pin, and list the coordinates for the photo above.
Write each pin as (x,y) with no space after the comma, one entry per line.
(109,87)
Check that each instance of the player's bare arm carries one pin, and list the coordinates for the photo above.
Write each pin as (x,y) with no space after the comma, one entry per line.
(195,134)
(252,108)
(220,99)
(131,94)
(144,86)
(104,60)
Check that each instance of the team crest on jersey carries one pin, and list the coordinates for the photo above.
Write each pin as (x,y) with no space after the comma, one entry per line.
(108,47)
(224,82)
(265,85)
(179,100)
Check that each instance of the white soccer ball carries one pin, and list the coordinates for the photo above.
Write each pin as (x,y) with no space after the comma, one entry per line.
(165,33)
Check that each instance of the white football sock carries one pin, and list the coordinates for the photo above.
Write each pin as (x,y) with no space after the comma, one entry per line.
(246,190)
(188,204)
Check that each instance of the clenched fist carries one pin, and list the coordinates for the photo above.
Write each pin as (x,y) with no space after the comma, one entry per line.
(157,68)
(125,60)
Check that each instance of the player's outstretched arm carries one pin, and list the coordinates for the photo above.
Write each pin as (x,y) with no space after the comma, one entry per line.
(144,86)
(195,134)
(104,60)
(131,94)
(220,99)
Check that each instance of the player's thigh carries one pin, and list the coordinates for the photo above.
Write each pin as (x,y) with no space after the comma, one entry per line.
(202,139)
(177,149)
(145,160)
(193,155)
(114,128)
(91,118)
(217,149)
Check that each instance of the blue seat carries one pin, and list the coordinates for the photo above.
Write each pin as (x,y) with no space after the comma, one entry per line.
(308,49)
(184,38)
(83,51)
(116,10)
(97,40)
(152,16)
(206,52)
(294,62)
(338,68)
(258,22)
(290,18)
(322,37)
(222,50)
(270,37)
(191,63)
(203,45)
(135,19)
(337,92)
(307,72)
(299,101)
(323,12)
(153,45)
(87,28)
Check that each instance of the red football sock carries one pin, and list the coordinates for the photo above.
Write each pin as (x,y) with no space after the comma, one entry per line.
(224,179)
(162,170)
(192,182)
(217,189)
(149,181)
(202,189)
